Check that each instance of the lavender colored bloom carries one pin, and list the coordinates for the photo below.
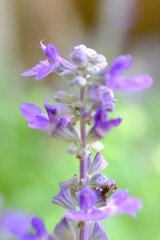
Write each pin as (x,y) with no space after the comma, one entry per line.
(20,225)
(115,81)
(17,223)
(102,125)
(120,203)
(43,68)
(50,123)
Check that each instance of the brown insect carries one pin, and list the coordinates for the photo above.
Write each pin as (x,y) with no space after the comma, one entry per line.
(108,190)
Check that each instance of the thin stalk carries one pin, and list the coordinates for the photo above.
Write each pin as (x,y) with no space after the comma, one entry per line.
(83,235)
(83,162)
(84,232)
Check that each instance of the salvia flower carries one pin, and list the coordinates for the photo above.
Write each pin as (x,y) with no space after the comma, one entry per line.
(114,80)
(27,228)
(54,126)
(120,203)
(43,68)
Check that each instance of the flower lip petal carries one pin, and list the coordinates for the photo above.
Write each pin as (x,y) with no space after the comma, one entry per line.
(29,111)
(45,71)
(34,70)
(126,84)
(94,215)
(39,122)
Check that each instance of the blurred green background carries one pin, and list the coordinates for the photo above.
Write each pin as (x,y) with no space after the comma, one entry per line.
(31,163)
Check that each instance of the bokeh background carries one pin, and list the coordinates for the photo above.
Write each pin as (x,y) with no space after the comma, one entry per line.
(31,163)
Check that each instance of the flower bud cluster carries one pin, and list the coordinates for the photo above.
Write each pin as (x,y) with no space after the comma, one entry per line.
(91,197)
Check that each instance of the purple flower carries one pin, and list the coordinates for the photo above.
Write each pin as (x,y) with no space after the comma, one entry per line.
(26,228)
(120,203)
(43,68)
(17,223)
(115,81)
(49,122)
(102,125)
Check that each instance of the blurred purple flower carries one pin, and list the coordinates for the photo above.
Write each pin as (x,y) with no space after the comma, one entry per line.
(120,203)
(43,68)
(115,81)
(17,223)
(20,225)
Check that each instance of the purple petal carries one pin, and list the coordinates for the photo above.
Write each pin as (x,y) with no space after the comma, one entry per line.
(87,199)
(121,202)
(98,164)
(125,84)
(65,120)
(39,122)
(17,223)
(51,52)
(93,215)
(98,233)
(28,237)
(63,230)
(45,71)
(120,64)
(63,199)
(36,69)
(51,110)
(29,111)
(39,226)
(101,128)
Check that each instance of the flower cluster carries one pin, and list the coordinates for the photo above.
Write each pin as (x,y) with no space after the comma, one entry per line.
(91,197)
